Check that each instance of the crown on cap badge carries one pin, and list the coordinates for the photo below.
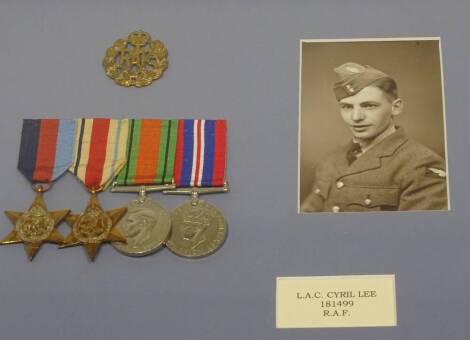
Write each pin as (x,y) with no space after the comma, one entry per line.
(136,61)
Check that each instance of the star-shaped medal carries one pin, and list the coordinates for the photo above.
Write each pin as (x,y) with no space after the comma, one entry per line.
(35,226)
(94,227)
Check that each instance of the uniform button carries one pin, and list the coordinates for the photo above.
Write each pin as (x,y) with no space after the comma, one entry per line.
(317,191)
(339,184)
(335,209)
(368,201)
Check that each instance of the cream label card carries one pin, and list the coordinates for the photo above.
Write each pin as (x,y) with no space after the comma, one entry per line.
(336,301)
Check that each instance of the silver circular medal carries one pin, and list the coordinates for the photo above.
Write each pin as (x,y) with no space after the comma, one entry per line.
(146,226)
(198,229)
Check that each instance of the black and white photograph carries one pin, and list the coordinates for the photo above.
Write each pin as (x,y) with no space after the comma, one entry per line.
(372,131)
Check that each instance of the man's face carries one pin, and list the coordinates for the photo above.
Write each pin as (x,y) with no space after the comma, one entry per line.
(369,112)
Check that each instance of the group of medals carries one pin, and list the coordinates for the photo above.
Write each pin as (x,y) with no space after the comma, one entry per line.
(183,157)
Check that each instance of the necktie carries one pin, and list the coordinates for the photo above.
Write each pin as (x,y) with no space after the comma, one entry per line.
(352,153)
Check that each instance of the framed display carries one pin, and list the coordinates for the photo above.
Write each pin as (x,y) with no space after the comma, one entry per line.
(372,126)
(270,259)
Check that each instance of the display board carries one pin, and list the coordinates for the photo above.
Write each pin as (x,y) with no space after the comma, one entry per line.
(239,61)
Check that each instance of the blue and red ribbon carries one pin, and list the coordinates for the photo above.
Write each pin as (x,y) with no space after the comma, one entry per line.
(201,153)
(46,149)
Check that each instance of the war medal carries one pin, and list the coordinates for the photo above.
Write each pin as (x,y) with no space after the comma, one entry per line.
(198,228)
(149,167)
(136,61)
(100,153)
(45,154)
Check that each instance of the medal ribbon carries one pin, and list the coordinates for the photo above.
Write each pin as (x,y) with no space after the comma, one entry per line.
(46,148)
(100,150)
(201,153)
(150,152)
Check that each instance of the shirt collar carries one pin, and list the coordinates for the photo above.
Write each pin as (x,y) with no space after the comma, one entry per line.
(389,131)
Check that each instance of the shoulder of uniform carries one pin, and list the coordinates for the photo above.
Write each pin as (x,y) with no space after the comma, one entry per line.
(422,153)
(428,153)
(423,160)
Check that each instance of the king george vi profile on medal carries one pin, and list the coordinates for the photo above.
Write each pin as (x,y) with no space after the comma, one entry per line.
(381,168)
(138,225)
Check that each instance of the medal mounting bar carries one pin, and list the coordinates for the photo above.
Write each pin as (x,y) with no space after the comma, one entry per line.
(142,189)
(138,188)
(194,192)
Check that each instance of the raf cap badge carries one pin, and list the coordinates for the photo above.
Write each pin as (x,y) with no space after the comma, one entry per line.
(353,77)
(136,61)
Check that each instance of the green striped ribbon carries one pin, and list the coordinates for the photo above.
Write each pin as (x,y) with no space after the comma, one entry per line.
(150,152)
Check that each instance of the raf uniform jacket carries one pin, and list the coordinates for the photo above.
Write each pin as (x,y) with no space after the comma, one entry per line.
(396,174)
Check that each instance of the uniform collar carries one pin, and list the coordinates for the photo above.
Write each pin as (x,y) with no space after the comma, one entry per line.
(389,144)
(386,144)
(388,131)
(371,159)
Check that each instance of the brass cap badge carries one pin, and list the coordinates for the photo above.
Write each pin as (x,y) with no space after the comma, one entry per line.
(136,61)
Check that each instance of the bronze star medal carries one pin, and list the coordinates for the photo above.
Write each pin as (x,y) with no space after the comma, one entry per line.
(100,155)
(35,226)
(45,154)
(93,227)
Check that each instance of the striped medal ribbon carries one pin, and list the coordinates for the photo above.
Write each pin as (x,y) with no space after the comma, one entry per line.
(99,154)
(150,165)
(100,151)
(46,152)
(198,228)
(201,153)
(46,149)
(150,152)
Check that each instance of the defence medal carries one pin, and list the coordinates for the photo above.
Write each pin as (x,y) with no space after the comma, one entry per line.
(100,153)
(149,167)
(45,154)
(198,228)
